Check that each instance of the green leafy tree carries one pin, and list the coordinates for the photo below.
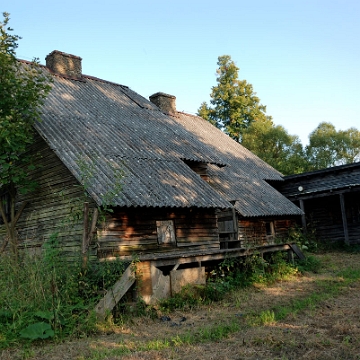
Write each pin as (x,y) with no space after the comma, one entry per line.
(235,105)
(275,146)
(350,145)
(23,88)
(329,147)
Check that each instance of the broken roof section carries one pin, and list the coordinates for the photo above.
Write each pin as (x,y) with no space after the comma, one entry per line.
(112,129)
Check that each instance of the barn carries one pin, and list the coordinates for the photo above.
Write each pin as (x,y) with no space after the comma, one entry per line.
(175,191)
(330,199)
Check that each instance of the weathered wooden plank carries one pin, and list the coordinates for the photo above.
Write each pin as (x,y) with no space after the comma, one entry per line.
(128,233)
(133,248)
(113,296)
(297,251)
(196,232)
(126,242)
(146,239)
(198,243)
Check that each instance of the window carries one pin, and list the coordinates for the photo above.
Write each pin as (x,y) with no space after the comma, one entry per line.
(270,231)
(165,232)
(269,228)
(228,229)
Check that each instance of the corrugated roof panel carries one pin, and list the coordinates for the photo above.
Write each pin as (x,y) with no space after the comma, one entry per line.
(252,196)
(109,126)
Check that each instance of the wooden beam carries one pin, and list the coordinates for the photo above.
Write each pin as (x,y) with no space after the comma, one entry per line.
(236,224)
(84,244)
(85,228)
(303,217)
(113,296)
(215,254)
(92,231)
(344,220)
(295,249)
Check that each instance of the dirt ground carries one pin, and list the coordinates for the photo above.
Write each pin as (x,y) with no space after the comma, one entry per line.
(329,329)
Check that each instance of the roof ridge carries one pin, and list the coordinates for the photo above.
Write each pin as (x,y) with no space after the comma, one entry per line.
(90,77)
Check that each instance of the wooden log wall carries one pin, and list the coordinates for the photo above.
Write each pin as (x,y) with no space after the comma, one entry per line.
(324,215)
(54,207)
(129,231)
(254,232)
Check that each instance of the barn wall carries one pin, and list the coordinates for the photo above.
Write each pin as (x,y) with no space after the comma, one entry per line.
(260,232)
(55,207)
(324,215)
(129,231)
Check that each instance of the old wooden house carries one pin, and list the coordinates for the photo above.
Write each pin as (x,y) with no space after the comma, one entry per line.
(330,199)
(181,191)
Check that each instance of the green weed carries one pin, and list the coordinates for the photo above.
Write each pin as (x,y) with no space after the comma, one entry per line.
(310,264)
(230,275)
(49,297)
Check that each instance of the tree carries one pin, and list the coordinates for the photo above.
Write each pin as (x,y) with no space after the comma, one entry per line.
(23,88)
(328,147)
(275,146)
(235,104)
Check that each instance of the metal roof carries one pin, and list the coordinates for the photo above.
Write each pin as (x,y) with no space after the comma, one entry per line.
(111,129)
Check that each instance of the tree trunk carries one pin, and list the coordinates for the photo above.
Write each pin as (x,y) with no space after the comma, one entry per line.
(10,226)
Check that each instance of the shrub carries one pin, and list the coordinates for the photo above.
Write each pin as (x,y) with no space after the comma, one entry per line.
(229,275)
(310,264)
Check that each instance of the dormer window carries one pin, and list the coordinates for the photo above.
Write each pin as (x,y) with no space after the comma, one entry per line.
(199,167)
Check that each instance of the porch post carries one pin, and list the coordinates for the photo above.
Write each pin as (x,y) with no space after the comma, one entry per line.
(344,220)
(303,218)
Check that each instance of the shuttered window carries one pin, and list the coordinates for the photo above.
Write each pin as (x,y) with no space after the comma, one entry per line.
(166,232)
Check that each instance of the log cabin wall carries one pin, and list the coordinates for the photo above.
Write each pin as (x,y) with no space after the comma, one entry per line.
(55,207)
(330,199)
(323,214)
(260,232)
(156,230)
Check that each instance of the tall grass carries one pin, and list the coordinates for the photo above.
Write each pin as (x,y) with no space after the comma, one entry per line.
(48,296)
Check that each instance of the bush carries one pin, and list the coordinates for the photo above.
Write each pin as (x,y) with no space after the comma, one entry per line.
(310,264)
(306,242)
(229,275)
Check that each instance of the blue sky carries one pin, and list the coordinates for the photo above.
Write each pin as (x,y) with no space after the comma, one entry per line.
(302,57)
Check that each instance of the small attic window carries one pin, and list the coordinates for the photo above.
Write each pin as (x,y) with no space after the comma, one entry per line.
(199,167)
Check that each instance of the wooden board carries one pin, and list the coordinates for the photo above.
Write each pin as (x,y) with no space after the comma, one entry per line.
(297,251)
(113,296)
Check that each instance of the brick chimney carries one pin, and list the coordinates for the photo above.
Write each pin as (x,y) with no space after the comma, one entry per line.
(64,64)
(165,102)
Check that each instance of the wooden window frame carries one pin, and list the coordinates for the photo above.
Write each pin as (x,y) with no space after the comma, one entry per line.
(166,235)
(270,231)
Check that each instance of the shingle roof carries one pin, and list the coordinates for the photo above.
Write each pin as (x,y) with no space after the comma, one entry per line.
(108,126)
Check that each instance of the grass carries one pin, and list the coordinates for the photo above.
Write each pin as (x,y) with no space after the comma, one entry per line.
(47,298)
(295,314)
(326,289)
